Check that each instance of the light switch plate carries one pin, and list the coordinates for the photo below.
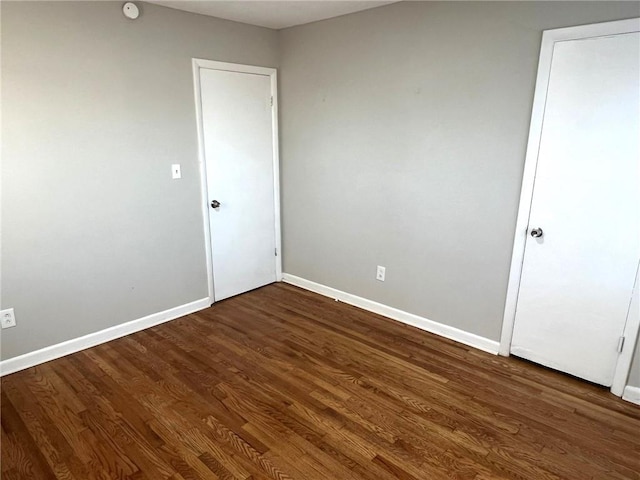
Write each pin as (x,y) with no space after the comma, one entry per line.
(175,171)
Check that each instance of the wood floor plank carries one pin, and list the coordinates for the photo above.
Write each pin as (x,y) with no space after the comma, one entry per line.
(19,449)
(284,384)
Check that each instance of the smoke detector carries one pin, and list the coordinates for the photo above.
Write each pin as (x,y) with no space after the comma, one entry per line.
(130,10)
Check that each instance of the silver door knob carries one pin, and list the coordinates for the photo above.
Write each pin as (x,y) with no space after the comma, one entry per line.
(215,203)
(536,232)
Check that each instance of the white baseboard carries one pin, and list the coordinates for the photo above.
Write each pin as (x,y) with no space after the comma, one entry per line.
(446,331)
(58,350)
(631,394)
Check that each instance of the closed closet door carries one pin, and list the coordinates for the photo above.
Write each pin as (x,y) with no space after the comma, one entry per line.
(583,240)
(238,145)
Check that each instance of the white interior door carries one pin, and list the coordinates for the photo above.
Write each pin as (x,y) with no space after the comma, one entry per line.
(577,277)
(238,146)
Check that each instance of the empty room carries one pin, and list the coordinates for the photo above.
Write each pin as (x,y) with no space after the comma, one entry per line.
(333,240)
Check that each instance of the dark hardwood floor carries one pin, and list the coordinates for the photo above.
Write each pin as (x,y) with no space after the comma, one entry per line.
(280,383)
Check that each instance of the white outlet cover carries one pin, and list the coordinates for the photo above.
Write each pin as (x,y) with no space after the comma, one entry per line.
(380,273)
(176,171)
(8,318)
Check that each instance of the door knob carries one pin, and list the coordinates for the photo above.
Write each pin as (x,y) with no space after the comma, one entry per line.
(215,203)
(536,232)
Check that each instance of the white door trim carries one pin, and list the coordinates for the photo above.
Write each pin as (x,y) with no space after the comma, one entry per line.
(549,38)
(623,365)
(198,64)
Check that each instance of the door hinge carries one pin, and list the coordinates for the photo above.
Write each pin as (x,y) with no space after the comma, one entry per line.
(276,251)
(620,344)
(272,100)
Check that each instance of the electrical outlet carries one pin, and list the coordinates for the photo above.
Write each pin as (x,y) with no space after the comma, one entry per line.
(380,273)
(8,318)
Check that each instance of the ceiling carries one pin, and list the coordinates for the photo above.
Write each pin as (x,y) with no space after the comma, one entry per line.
(272,14)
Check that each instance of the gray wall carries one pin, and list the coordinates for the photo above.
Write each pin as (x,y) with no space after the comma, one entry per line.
(95,109)
(634,312)
(403,133)
(634,375)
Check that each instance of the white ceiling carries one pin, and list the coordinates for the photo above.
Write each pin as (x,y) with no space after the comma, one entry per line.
(272,14)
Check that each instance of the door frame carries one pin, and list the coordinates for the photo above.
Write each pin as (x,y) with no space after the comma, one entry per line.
(549,38)
(197,65)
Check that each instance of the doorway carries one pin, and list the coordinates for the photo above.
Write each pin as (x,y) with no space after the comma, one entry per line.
(577,243)
(236,108)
